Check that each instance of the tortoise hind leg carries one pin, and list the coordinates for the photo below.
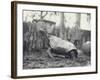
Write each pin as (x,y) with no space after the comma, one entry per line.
(73,54)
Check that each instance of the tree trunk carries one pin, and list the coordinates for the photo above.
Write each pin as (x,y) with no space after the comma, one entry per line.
(62,27)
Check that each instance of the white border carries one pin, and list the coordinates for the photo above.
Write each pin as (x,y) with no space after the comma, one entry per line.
(21,72)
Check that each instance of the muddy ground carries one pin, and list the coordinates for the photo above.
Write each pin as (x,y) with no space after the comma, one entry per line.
(40,59)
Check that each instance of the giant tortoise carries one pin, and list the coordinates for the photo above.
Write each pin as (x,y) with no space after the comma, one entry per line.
(60,47)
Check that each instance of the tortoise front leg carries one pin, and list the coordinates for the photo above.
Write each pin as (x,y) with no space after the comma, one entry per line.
(49,53)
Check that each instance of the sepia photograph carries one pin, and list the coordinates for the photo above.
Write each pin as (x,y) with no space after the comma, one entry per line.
(53,39)
(56,39)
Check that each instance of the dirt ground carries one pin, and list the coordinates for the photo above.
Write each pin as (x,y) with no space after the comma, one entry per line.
(35,60)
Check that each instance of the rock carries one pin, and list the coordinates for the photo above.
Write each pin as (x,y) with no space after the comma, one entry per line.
(86,48)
